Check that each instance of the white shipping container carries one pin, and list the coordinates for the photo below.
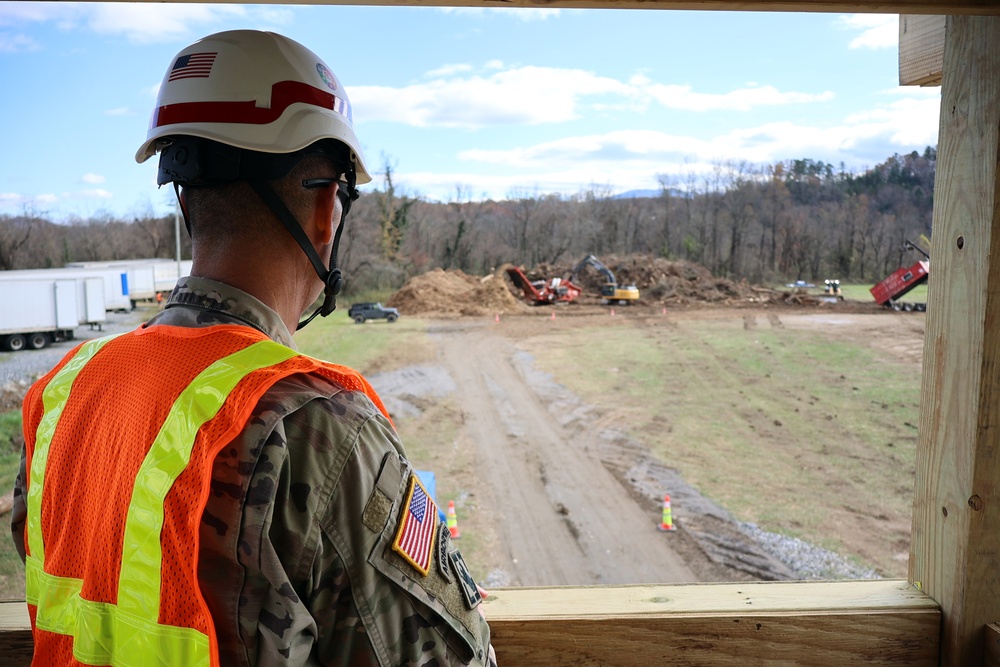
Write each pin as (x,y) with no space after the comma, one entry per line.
(116,284)
(33,313)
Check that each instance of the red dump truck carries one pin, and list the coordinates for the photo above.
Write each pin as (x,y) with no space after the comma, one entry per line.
(889,292)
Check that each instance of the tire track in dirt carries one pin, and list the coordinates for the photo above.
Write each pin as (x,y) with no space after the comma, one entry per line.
(562,516)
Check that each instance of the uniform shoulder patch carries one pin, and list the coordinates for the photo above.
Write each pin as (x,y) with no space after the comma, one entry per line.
(418,521)
(470,591)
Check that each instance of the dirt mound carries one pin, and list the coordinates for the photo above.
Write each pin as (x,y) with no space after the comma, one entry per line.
(664,281)
(660,282)
(454,292)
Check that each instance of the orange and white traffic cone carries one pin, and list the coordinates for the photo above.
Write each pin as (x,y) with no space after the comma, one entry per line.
(553,314)
(667,522)
(452,521)
(497,318)
(612,312)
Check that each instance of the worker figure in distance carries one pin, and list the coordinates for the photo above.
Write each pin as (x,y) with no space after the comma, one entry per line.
(196,492)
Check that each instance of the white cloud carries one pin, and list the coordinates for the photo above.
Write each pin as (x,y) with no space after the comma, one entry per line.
(156,22)
(631,159)
(95,194)
(92,179)
(528,95)
(535,95)
(138,22)
(17,43)
(494,64)
(878,31)
(742,99)
(120,111)
(448,70)
(519,13)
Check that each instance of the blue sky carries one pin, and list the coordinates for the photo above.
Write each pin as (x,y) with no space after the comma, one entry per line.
(468,103)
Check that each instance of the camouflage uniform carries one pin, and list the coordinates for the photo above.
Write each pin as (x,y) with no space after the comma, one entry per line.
(296,560)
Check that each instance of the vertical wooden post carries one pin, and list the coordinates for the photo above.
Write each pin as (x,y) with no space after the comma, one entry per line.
(955,553)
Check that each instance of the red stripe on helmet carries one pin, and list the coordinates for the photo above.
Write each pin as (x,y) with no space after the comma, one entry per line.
(283,95)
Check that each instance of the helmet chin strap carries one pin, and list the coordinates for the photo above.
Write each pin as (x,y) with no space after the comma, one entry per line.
(333,280)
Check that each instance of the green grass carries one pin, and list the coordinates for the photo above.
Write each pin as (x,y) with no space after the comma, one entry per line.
(370,347)
(11,567)
(798,433)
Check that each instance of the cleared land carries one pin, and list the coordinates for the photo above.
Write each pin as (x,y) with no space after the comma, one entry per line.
(557,438)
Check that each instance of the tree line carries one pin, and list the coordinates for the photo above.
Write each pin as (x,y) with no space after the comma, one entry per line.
(799,219)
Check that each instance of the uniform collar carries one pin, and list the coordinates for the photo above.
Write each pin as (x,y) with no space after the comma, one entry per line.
(218,297)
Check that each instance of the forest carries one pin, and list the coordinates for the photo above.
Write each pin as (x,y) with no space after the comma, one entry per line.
(794,220)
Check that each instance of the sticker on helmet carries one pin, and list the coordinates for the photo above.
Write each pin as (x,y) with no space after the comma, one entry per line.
(327,76)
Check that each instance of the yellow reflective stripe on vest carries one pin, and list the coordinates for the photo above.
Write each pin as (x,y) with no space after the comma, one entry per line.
(127,634)
(53,401)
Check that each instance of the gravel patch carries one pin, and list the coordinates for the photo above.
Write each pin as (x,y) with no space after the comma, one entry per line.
(24,367)
(806,560)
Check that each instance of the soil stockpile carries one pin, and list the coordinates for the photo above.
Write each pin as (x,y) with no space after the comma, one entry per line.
(454,292)
(660,282)
(663,281)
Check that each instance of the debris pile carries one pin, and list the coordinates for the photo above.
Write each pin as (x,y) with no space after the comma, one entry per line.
(661,282)
(664,281)
(454,292)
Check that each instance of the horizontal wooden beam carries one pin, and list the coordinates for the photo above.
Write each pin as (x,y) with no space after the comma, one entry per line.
(971,7)
(883,622)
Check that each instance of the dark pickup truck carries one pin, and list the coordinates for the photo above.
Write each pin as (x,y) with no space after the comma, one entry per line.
(359,312)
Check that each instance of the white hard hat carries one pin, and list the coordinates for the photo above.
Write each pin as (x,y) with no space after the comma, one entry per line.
(253,90)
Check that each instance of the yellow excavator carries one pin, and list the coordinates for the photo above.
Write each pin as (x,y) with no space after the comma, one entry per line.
(611,291)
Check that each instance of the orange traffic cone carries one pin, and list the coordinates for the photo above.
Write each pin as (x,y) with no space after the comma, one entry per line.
(452,521)
(612,312)
(553,314)
(664,311)
(497,318)
(667,522)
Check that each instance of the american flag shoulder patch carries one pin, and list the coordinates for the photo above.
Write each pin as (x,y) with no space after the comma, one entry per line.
(418,520)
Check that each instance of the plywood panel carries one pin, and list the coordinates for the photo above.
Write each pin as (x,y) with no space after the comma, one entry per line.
(956,514)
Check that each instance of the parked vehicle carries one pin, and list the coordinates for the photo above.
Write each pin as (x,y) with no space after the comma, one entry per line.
(39,311)
(360,312)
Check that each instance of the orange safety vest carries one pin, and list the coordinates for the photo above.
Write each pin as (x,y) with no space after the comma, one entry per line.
(120,440)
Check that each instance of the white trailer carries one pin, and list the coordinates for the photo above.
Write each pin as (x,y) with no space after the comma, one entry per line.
(147,277)
(37,311)
(116,283)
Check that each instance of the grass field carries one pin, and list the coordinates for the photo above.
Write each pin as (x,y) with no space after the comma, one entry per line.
(806,434)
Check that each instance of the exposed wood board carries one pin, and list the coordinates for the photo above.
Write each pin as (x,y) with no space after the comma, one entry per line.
(804,623)
(921,50)
(808,623)
(956,514)
(971,7)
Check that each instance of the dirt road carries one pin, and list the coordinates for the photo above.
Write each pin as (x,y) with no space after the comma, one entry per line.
(559,507)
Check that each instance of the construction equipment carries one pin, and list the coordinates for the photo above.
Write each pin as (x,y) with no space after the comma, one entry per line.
(541,292)
(611,291)
(888,292)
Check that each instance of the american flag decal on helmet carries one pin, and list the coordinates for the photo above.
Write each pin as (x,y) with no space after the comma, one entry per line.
(193,66)
(417,523)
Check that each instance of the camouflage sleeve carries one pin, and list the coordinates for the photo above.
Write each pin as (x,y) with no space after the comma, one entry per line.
(369,599)
(19,511)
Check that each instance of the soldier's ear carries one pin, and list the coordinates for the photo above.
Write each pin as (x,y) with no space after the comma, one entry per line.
(322,219)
